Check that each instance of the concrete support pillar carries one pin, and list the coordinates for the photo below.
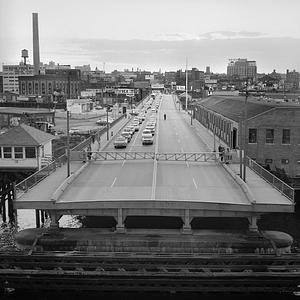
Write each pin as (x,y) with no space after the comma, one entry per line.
(120,228)
(186,229)
(54,218)
(253,223)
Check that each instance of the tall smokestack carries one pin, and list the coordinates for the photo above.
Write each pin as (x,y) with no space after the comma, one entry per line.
(36,46)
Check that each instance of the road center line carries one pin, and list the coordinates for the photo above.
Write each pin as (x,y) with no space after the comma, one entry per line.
(195,183)
(113,182)
(155,161)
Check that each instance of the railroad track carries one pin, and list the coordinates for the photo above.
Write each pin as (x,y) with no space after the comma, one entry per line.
(133,272)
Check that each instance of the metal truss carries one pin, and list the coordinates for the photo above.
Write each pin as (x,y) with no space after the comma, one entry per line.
(179,156)
(102,155)
(170,156)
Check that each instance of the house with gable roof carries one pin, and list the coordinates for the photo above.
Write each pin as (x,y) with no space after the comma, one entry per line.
(25,148)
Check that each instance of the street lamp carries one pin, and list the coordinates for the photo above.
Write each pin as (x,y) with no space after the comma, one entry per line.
(107,135)
(186,84)
(192,113)
(68,143)
(245,131)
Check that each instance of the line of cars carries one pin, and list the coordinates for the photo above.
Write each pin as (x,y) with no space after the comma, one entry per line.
(148,133)
(126,135)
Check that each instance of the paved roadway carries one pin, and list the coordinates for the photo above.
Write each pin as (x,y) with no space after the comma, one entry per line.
(158,180)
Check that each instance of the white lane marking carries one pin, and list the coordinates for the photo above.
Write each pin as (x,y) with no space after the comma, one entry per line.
(113,182)
(195,184)
(153,190)
(187,164)
(123,163)
(133,142)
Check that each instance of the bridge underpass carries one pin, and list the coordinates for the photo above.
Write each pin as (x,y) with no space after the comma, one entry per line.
(176,176)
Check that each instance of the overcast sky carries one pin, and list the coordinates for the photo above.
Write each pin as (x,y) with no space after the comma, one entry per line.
(153,34)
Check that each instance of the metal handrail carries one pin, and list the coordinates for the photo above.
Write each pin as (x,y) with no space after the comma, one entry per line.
(38,176)
(277,183)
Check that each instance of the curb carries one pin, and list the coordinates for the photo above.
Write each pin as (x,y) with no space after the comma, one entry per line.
(59,191)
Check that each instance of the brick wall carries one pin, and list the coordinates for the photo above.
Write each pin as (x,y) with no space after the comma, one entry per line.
(277,119)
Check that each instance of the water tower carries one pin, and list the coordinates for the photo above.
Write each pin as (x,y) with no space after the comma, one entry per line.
(25,55)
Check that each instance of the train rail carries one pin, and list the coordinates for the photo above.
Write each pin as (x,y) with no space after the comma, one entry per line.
(133,272)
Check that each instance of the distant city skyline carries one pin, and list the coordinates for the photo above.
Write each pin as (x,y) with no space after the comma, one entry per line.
(154,35)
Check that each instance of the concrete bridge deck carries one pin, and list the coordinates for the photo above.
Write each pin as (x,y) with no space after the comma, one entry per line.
(153,187)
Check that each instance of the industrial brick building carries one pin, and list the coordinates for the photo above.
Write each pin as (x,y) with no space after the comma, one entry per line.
(272,130)
(65,83)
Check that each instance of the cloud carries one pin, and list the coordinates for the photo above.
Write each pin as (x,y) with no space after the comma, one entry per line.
(215,35)
(212,35)
(270,53)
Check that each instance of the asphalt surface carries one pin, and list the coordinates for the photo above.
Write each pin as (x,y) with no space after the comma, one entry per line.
(158,180)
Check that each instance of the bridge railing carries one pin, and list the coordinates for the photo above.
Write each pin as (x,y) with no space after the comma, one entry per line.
(277,183)
(38,176)
(176,156)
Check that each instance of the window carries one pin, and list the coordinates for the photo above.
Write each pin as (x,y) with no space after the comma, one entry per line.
(7,152)
(286,136)
(252,135)
(0,152)
(30,152)
(36,88)
(18,152)
(268,161)
(269,136)
(43,88)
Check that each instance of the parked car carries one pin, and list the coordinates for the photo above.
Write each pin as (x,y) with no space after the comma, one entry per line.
(127,135)
(131,129)
(151,128)
(136,126)
(146,131)
(147,139)
(74,130)
(102,122)
(120,142)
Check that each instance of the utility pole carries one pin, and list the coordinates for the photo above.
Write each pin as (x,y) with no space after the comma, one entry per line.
(186,83)
(107,135)
(68,143)
(245,132)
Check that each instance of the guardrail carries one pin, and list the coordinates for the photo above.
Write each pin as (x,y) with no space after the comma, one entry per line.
(176,156)
(38,176)
(277,183)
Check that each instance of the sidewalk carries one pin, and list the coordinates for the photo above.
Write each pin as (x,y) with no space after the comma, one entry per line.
(261,190)
(208,138)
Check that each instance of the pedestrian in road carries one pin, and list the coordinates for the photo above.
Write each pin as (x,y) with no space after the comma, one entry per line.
(165,117)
